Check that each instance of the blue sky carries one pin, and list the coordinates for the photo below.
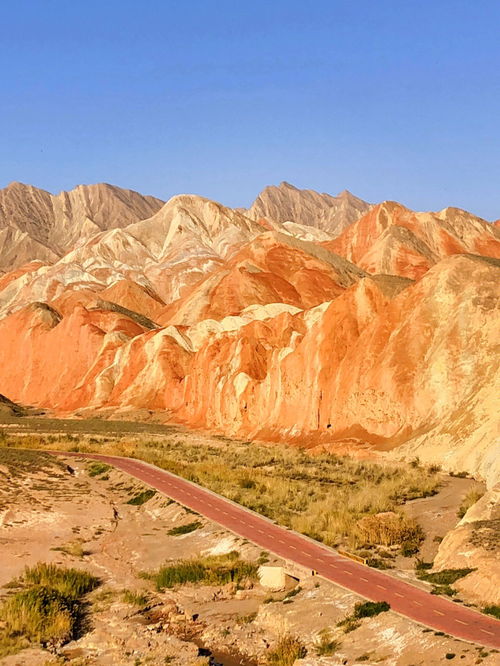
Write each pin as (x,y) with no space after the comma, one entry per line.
(391,99)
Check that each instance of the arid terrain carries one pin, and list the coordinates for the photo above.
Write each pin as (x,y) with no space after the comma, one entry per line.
(73,513)
(329,363)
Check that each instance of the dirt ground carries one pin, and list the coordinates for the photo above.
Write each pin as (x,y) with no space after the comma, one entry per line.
(54,511)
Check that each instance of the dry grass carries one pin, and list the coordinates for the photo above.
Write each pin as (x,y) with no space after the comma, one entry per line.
(286,652)
(322,496)
(469,500)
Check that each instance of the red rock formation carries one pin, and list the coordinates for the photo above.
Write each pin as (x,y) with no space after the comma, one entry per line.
(266,335)
(393,239)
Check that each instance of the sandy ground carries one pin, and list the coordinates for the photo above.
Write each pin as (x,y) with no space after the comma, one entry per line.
(50,510)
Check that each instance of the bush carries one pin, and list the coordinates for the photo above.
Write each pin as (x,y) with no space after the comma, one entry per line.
(41,614)
(445,577)
(97,468)
(286,652)
(184,529)
(73,583)
(142,497)
(46,609)
(492,610)
(443,590)
(212,570)
(361,610)
(370,608)
(420,565)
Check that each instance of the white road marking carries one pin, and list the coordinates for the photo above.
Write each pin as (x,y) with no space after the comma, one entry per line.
(461,621)
(437,612)
(381,586)
(485,631)
(417,602)
(399,595)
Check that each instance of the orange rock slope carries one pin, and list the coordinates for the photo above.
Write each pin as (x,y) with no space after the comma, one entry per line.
(202,313)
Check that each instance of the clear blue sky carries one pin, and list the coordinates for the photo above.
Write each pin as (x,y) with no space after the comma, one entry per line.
(391,99)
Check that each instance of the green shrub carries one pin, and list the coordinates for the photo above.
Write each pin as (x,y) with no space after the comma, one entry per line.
(292,593)
(40,614)
(286,652)
(73,583)
(445,577)
(362,609)
(47,608)
(492,610)
(184,529)
(370,608)
(142,497)
(443,590)
(420,565)
(97,468)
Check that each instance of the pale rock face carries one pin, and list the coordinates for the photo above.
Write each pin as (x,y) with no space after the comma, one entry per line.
(307,208)
(35,224)
(473,544)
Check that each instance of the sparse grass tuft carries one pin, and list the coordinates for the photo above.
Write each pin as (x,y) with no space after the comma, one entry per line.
(135,598)
(286,652)
(326,646)
(469,500)
(184,529)
(142,497)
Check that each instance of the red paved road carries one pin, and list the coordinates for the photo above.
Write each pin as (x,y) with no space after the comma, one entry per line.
(432,611)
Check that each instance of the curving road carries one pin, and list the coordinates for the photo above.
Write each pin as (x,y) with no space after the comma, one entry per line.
(432,611)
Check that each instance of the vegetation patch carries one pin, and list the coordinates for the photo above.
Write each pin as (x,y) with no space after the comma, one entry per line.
(47,608)
(322,496)
(445,577)
(135,598)
(361,610)
(97,468)
(184,529)
(286,652)
(211,570)
(492,610)
(142,497)
(326,646)
(469,500)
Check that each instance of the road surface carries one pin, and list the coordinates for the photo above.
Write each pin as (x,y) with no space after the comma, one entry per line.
(433,611)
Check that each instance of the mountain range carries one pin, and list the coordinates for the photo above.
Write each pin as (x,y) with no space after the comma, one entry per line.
(308,318)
